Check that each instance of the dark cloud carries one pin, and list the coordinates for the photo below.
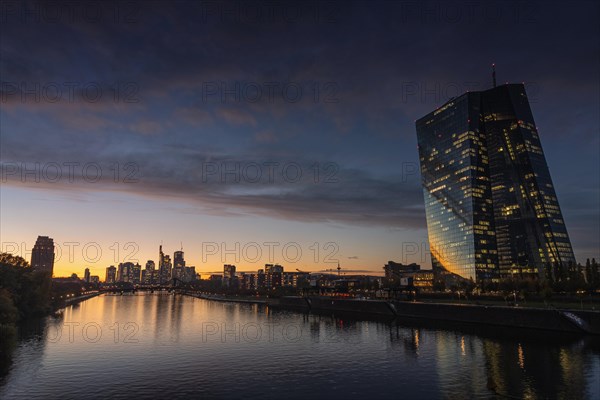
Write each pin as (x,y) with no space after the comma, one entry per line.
(179,88)
(286,189)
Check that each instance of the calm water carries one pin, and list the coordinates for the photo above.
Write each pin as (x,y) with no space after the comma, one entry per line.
(162,346)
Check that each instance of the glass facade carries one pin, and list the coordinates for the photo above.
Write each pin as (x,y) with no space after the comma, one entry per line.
(456,187)
(531,232)
(489,200)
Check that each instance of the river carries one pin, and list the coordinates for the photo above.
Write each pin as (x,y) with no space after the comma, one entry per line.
(174,346)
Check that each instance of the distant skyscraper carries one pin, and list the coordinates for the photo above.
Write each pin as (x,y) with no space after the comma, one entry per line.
(273,275)
(178,265)
(111,274)
(164,266)
(228,274)
(490,203)
(178,260)
(86,275)
(149,273)
(42,255)
(190,274)
(136,272)
(127,272)
(228,271)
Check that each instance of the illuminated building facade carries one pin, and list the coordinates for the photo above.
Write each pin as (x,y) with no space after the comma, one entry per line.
(273,276)
(164,267)
(126,272)
(111,274)
(490,204)
(149,273)
(136,273)
(229,275)
(178,260)
(178,265)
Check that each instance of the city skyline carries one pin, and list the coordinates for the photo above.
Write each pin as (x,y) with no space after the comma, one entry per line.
(413,252)
(255,199)
(165,136)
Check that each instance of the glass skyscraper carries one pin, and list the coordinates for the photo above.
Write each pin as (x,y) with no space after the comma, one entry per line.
(490,204)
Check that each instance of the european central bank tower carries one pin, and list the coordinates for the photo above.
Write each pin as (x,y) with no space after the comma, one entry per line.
(490,203)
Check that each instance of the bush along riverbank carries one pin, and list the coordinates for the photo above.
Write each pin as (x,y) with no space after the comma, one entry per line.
(24,294)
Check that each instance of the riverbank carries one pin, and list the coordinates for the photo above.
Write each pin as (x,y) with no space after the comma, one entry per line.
(569,321)
(75,300)
(230,299)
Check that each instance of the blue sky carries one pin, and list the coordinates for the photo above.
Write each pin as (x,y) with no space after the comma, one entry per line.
(188,78)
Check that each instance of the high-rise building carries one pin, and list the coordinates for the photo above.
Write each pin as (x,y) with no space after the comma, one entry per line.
(229,275)
(127,272)
(149,272)
(42,255)
(136,272)
(178,265)
(490,204)
(228,271)
(164,266)
(273,275)
(260,279)
(86,275)
(111,274)
(190,274)
(394,271)
(178,260)
(273,268)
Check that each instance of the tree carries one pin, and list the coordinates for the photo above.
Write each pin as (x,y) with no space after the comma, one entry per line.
(588,271)
(8,312)
(595,274)
(28,290)
(549,275)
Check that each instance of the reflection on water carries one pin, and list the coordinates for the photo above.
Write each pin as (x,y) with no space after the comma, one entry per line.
(8,342)
(153,346)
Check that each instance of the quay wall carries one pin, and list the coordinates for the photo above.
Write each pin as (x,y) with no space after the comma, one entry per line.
(574,321)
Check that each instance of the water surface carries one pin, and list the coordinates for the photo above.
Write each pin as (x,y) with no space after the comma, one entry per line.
(172,346)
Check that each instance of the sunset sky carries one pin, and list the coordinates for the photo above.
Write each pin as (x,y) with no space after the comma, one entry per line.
(172,99)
